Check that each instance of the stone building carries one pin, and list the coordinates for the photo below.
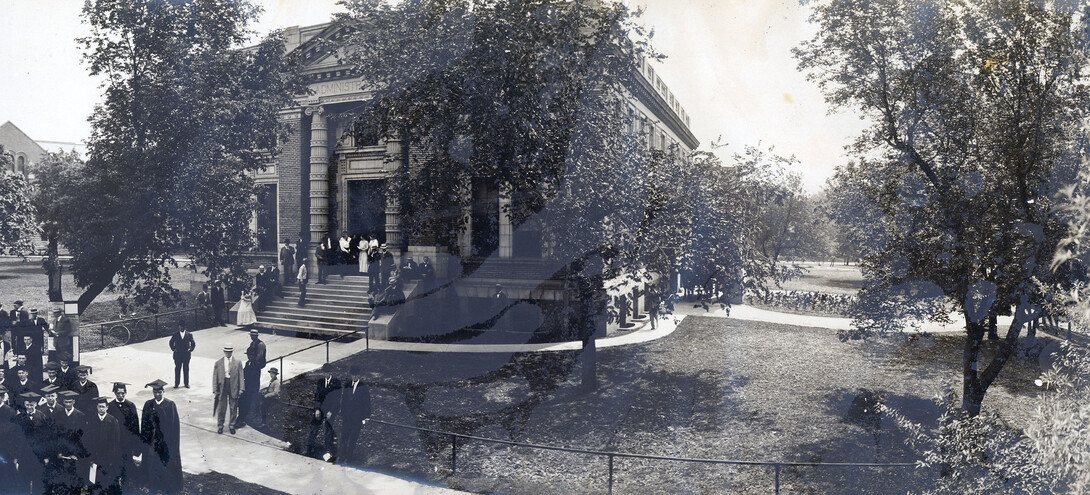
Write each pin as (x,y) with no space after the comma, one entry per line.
(300,195)
(24,151)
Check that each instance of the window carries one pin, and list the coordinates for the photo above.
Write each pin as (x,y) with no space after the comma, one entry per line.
(20,164)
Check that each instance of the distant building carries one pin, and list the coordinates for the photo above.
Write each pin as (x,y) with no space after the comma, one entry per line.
(24,151)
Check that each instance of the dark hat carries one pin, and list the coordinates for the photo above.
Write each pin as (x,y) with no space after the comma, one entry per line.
(52,366)
(119,386)
(48,389)
(273,370)
(68,394)
(30,397)
(18,302)
(33,310)
(64,356)
(156,385)
(102,400)
(83,368)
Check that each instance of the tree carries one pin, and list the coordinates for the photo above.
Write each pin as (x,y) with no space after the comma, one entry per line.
(976,112)
(17,226)
(51,198)
(185,115)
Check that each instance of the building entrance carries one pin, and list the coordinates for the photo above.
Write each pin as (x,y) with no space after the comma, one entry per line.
(367,208)
(266,217)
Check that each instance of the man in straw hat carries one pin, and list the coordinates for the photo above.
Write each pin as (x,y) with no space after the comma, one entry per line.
(161,431)
(269,393)
(227,387)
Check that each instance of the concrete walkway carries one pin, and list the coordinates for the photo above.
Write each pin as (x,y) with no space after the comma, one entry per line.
(248,455)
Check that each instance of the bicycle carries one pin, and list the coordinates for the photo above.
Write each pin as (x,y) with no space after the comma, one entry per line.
(130,328)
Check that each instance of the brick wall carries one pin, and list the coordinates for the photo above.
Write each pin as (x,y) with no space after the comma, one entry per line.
(293,185)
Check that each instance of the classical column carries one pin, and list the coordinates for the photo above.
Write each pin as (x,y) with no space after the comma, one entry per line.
(506,243)
(319,175)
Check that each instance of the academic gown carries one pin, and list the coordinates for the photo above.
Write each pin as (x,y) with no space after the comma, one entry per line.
(102,438)
(88,392)
(129,444)
(19,466)
(39,433)
(67,474)
(161,432)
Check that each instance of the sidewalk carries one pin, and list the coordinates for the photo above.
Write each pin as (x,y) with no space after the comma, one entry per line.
(248,455)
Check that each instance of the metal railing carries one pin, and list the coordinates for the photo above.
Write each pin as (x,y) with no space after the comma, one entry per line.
(325,342)
(776,466)
(154,321)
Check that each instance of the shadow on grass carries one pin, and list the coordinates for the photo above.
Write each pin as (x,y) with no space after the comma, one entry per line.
(872,437)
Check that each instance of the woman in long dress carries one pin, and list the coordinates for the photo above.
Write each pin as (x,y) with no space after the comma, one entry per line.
(246,315)
(362,248)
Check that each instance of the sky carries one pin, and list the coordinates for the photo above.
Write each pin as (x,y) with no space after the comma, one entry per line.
(728,61)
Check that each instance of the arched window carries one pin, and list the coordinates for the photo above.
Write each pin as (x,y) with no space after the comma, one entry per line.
(20,164)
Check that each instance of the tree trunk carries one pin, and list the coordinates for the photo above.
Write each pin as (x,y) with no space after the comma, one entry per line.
(972,393)
(52,265)
(90,293)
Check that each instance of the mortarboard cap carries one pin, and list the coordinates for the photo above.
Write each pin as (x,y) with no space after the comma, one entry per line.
(67,394)
(156,385)
(102,400)
(119,386)
(52,366)
(83,368)
(30,397)
(48,389)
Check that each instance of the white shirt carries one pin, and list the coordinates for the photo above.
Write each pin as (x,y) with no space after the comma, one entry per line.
(227,366)
(101,417)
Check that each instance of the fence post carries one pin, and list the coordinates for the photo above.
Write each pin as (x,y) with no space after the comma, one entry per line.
(453,454)
(194,319)
(102,335)
(367,338)
(156,334)
(281,371)
(327,352)
(611,474)
(777,466)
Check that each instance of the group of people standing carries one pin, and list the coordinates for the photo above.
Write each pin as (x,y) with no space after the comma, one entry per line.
(347,400)
(64,438)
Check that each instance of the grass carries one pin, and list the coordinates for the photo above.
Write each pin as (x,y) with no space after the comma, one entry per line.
(831,279)
(716,388)
(25,280)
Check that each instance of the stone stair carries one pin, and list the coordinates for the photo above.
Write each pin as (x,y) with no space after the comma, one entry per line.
(337,307)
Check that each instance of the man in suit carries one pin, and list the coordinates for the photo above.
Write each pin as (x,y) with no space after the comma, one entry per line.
(52,377)
(33,352)
(255,362)
(355,408)
(324,255)
(102,437)
(182,344)
(87,390)
(18,313)
(160,429)
(63,332)
(287,260)
(218,303)
(227,387)
(22,384)
(129,444)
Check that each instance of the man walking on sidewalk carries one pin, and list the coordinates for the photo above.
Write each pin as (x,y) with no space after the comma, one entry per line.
(227,386)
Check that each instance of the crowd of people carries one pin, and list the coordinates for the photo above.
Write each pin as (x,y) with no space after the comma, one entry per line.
(803,300)
(60,435)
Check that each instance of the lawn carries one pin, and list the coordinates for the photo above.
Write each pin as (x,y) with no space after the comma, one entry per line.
(25,280)
(831,279)
(715,388)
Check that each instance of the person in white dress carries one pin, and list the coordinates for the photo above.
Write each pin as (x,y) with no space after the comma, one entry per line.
(246,315)
(362,247)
